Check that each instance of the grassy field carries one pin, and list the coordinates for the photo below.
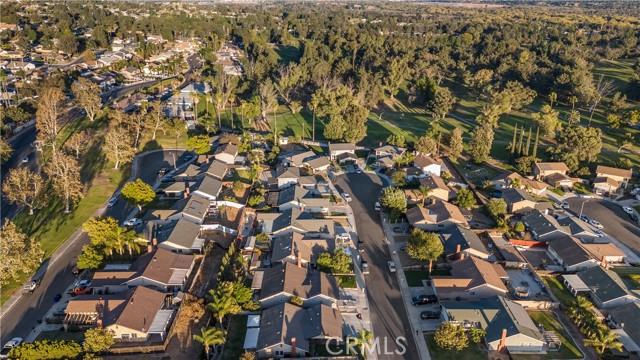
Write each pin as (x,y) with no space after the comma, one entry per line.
(472,352)
(415,277)
(397,116)
(56,335)
(233,347)
(568,349)
(347,281)
(558,289)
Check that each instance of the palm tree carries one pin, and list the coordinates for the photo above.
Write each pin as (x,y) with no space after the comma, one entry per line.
(248,356)
(424,192)
(209,337)
(196,99)
(121,237)
(132,245)
(222,302)
(364,337)
(604,339)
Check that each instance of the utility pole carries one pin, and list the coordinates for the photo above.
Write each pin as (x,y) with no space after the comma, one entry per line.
(582,207)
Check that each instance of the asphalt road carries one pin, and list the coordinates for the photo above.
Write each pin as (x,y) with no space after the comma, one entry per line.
(30,309)
(616,222)
(388,314)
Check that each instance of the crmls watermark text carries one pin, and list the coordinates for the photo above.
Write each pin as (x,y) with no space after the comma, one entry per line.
(379,346)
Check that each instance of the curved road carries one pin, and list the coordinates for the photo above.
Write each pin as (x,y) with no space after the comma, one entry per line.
(388,313)
(30,309)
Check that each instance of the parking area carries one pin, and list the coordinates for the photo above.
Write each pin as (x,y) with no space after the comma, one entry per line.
(538,258)
(415,311)
(524,279)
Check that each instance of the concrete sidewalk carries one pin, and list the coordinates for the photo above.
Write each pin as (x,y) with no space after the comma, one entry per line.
(416,326)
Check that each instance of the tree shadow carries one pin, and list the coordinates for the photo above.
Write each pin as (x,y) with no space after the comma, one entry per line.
(151,145)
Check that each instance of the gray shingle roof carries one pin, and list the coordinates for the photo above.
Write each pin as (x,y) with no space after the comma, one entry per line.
(606,284)
(217,169)
(181,232)
(569,250)
(494,314)
(512,195)
(298,281)
(456,235)
(209,185)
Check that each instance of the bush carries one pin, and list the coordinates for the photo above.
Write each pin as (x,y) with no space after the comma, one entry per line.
(451,337)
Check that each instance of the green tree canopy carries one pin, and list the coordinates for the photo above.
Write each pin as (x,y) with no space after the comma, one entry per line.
(451,337)
(465,198)
(199,144)
(138,193)
(424,246)
(97,340)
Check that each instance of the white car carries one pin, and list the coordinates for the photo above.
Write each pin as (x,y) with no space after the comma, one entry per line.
(635,191)
(392,266)
(133,222)
(346,197)
(595,224)
(628,210)
(112,202)
(565,204)
(376,207)
(25,159)
(15,342)
(358,170)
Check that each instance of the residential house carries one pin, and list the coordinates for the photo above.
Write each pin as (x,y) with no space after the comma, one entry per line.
(458,240)
(217,169)
(518,201)
(296,247)
(180,189)
(180,236)
(390,151)
(543,227)
(606,288)
(439,189)
(297,159)
(428,165)
(159,269)
(132,74)
(384,162)
(295,220)
(576,227)
(570,254)
(226,153)
(143,315)
(298,197)
(559,180)
(318,163)
(507,324)
(471,278)
(412,173)
(337,149)
(437,216)
(287,330)
(608,252)
(621,176)
(624,320)
(194,208)
(284,280)
(603,185)
(209,187)
(287,176)
(543,169)
(531,186)
(191,172)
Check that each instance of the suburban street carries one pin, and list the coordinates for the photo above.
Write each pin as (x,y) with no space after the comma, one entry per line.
(388,314)
(21,145)
(30,309)
(616,222)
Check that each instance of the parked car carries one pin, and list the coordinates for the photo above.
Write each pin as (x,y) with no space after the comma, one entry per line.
(25,159)
(633,217)
(430,315)
(57,298)
(33,284)
(365,267)
(163,171)
(6,349)
(599,233)
(358,170)
(596,224)
(635,191)
(347,197)
(584,218)
(61,310)
(565,205)
(188,157)
(133,222)
(376,206)
(112,202)
(586,196)
(392,266)
(168,179)
(628,209)
(424,299)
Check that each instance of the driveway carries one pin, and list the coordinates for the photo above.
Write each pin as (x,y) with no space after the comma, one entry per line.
(29,310)
(616,222)
(388,314)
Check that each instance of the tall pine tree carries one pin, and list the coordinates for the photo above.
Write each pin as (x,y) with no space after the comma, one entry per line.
(513,142)
(535,144)
(526,151)
(520,141)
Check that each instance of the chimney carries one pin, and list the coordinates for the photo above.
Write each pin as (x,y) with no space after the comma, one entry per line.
(150,248)
(606,266)
(293,348)
(99,323)
(458,248)
(299,261)
(603,263)
(503,340)
(461,256)
(154,242)
(188,190)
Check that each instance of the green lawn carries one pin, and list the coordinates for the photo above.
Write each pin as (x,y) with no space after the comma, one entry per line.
(558,289)
(347,281)
(568,349)
(233,347)
(629,275)
(415,277)
(472,352)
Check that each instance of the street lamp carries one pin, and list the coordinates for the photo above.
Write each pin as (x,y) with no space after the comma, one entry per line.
(582,207)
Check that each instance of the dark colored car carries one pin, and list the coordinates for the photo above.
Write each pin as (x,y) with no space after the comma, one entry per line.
(188,157)
(163,171)
(425,315)
(168,179)
(57,298)
(424,299)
